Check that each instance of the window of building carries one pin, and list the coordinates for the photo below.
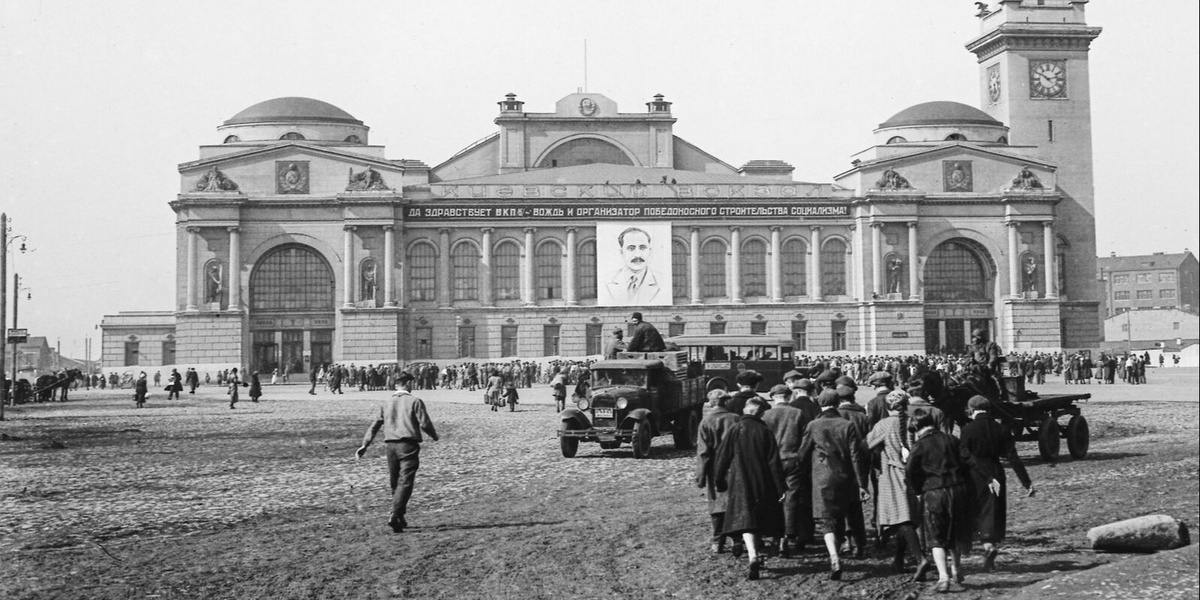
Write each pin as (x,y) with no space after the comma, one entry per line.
(506,272)
(956,137)
(1175,325)
(1121,279)
(674,329)
(1169,294)
(1166,278)
(712,269)
(131,354)
(795,268)
(292,278)
(680,263)
(352,139)
(758,328)
(1145,294)
(464,272)
(586,151)
(839,335)
(896,139)
(754,268)
(168,352)
(833,268)
(594,334)
(550,340)
(466,341)
(1144,277)
(1120,295)
(1002,140)
(422,272)
(954,272)
(291,135)
(716,327)
(547,265)
(424,346)
(508,341)
(586,257)
(1124,326)
(800,335)
(230,139)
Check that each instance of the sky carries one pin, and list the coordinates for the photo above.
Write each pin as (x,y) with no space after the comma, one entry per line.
(101,101)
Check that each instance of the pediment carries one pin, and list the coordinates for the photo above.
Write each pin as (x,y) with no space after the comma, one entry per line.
(289,169)
(957,168)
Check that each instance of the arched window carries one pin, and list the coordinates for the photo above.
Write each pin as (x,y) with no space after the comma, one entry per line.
(1003,140)
(585,151)
(955,272)
(956,137)
(229,139)
(464,272)
(422,272)
(547,266)
(506,271)
(585,256)
(754,268)
(291,135)
(680,265)
(795,268)
(712,269)
(352,139)
(896,139)
(292,278)
(833,268)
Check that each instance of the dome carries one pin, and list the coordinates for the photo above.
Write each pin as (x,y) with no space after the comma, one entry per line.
(293,108)
(939,113)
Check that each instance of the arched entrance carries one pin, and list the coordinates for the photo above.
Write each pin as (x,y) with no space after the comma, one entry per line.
(292,310)
(959,284)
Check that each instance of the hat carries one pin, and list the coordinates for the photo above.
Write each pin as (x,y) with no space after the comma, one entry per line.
(846,381)
(715,396)
(781,389)
(404,376)
(636,315)
(792,375)
(804,383)
(880,377)
(826,375)
(845,392)
(828,399)
(749,377)
(897,400)
(978,403)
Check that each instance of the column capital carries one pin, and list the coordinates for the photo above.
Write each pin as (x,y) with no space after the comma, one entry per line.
(389,227)
(854,227)
(735,228)
(193,229)
(444,230)
(911,224)
(349,227)
(572,230)
(233,229)
(529,230)
(1013,224)
(776,228)
(487,229)
(814,228)
(877,224)
(1048,224)
(694,228)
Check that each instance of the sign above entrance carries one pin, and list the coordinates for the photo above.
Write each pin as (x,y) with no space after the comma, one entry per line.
(465,212)
(958,312)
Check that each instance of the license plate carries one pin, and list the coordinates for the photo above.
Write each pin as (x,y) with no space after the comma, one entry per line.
(604,413)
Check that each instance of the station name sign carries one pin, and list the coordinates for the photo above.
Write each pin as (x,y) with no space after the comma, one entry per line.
(741,210)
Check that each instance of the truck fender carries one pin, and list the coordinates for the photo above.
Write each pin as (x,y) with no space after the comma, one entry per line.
(575,418)
(639,414)
(716,383)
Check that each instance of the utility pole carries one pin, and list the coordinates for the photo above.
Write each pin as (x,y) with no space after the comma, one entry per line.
(16,301)
(4,392)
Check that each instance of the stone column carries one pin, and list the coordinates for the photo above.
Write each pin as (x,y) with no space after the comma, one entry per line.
(389,265)
(814,271)
(400,295)
(235,268)
(694,267)
(1014,261)
(855,250)
(570,297)
(485,266)
(877,288)
(527,288)
(443,276)
(193,239)
(776,274)
(348,266)
(735,265)
(1049,250)
(913,292)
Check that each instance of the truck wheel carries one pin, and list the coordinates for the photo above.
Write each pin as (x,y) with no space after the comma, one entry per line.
(570,445)
(641,439)
(716,384)
(1049,439)
(1078,437)
(685,430)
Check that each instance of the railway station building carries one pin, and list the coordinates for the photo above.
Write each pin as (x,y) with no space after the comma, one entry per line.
(300,243)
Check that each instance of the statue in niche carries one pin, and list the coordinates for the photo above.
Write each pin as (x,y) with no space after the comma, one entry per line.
(215,181)
(1026,180)
(891,180)
(895,269)
(212,282)
(369,180)
(369,285)
(1029,271)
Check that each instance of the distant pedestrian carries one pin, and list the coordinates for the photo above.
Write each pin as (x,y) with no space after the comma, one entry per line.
(402,417)
(275,376)
(617,344)
(175,385)
(312,378)
(511,397)
(193,380)
(234,383)
(140,390)
(255,387)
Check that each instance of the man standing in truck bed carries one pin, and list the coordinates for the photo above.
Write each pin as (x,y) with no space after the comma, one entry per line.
(645,337)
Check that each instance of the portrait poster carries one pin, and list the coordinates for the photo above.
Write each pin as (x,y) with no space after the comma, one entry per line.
(633,263)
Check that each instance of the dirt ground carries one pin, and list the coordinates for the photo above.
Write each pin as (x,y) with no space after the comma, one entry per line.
(189,499)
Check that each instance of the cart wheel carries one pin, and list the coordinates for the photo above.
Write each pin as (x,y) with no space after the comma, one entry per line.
(569,445)
(1078,437)
(641,439)
(1049,439)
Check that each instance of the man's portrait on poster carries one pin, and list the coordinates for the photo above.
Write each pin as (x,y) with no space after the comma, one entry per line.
(634,250)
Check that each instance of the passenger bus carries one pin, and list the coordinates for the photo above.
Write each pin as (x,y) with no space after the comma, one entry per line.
(724,355)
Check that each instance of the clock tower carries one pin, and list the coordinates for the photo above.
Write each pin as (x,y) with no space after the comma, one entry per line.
(1033,65)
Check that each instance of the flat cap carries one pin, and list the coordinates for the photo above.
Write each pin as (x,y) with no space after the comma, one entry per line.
(793,374)
(846,381)
(880,377)
(804,383)
(828,399)
(781,389)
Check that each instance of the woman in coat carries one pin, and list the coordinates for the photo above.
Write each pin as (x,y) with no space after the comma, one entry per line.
(987,442)
(713,427)
(838,478)
(896,506)
(495,387)
(749,469)
(234,383)
(255,387)
(140,389)
(936,471)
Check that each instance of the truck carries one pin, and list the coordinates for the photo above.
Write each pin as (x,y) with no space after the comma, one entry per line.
(634,398)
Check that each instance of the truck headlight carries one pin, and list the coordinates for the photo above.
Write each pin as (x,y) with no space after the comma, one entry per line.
(622,403)
(582,404)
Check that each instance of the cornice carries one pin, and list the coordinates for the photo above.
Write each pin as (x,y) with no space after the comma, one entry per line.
(1033,37)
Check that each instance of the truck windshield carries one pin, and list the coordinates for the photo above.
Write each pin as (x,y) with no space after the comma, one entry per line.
(610,377)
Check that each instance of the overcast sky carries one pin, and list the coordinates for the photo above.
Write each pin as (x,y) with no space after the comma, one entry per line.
(102,100)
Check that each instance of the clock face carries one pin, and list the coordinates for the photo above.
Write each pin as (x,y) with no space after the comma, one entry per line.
(1048,79)
(993,74)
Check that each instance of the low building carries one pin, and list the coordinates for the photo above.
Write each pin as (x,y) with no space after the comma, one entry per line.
(1167,328)
(1149,281)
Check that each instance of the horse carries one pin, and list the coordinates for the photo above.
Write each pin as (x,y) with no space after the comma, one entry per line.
(952,396)
(49,386)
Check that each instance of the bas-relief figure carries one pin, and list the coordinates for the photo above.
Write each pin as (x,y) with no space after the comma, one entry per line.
(369,180)
(1026,180)
(215,181)
(891,180)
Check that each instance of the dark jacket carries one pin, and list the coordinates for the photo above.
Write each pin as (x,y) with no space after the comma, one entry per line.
(877,407)
(807,406)
(833,445)
(987,441)
(645,338)
(748,468)
(936,462)
(708,440)
(787,423)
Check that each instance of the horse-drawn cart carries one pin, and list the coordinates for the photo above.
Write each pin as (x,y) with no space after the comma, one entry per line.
(1035,418)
